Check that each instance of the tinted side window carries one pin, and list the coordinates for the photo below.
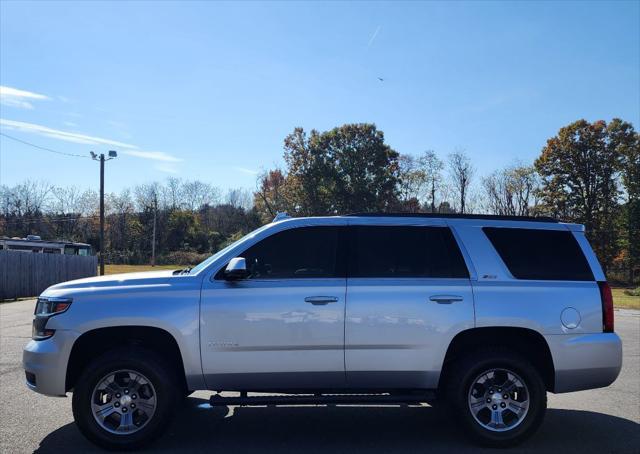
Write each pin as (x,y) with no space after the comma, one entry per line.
(552,255)
(304,252)
(379,251)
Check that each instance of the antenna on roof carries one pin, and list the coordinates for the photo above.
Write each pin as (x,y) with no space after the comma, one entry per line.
(280,215)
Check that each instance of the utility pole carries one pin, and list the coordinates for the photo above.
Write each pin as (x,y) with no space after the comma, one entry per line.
(101,158)
(153,242)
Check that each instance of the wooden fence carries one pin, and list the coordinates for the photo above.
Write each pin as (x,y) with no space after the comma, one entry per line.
(24,274)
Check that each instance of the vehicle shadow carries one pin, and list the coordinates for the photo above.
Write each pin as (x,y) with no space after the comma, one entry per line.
(199,427)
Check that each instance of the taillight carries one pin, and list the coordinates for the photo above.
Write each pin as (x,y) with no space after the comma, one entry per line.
(607,307)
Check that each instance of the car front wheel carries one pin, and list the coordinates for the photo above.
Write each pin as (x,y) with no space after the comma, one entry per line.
(124,399)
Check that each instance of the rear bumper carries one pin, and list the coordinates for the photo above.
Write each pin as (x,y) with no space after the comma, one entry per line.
(45,363)
(585,361)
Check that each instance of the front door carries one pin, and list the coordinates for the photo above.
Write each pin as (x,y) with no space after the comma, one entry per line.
(408,294)
(283,326)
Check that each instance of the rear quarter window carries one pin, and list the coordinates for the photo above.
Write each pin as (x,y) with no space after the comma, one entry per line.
(534,254)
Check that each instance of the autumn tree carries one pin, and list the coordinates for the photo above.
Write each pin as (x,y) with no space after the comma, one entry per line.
(629,141)
(270,196)
(580,167)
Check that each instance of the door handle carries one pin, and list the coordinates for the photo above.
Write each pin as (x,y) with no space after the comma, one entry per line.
(445,299)
(321,300)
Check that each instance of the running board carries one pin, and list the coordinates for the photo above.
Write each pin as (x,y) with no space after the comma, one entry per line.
(320,399)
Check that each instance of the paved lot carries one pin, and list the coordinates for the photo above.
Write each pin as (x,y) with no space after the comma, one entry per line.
(598,421)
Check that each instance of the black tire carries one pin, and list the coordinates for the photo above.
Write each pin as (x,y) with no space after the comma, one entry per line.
(162,377)
(463,374)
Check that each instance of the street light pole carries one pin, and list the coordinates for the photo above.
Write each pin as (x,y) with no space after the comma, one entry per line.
(101,158)
(101,214)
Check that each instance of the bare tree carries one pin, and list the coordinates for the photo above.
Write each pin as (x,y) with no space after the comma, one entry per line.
(239,198)
(461,173)
(432,169)
(29,197)
(196,194)
(512,191)
(26,203)
(147,196)
(172,193)
(5,200)
(69,206)
(120,209)
(412,178)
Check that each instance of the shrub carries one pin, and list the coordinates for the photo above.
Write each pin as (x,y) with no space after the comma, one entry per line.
(181,258)
(633,291)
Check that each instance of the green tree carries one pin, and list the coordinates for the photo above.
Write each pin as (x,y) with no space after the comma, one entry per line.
(364,169)
(346,169)
(184,228)
(309,186)
(580,167)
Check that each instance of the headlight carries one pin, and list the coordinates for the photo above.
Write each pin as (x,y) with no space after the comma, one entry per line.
(45,309)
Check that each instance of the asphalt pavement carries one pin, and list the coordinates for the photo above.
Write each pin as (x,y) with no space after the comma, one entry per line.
(598,421)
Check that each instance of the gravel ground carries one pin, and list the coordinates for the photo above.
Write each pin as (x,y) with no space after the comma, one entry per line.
(597,421)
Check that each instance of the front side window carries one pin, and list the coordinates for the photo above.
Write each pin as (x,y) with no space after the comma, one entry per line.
(552,255)
(405,252)
(304,252)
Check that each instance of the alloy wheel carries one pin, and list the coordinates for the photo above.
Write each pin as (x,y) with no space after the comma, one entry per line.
(498,400)
(123,402)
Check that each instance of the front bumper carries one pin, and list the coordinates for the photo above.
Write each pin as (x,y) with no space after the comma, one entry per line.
(45,363)
(585,361)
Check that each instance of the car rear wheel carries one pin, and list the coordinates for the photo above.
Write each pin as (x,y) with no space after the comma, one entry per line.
(498,396)
(125,398)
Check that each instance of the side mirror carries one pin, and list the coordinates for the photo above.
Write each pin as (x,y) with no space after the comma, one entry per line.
(236,269)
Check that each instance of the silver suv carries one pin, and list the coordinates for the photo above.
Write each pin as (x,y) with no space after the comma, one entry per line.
(478,315)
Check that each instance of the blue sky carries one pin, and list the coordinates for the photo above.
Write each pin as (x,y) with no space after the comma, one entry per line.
(210,90)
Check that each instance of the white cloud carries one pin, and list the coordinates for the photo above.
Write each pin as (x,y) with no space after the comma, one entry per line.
(71,124)
(167,168)
(61,135)
(15,97)
(130,150)
(154,155)
(245,170)
(373,37)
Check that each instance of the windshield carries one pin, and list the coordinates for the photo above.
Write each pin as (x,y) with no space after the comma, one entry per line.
(203,265)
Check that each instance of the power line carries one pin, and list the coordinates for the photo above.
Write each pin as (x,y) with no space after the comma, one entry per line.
(45,220)
(42,148)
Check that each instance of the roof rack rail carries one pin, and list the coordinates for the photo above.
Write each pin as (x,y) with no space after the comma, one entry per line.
(495,217)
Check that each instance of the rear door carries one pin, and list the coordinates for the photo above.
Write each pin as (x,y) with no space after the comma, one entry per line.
(408,295)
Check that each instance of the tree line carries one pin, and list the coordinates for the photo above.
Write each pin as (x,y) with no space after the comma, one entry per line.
(587,173)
